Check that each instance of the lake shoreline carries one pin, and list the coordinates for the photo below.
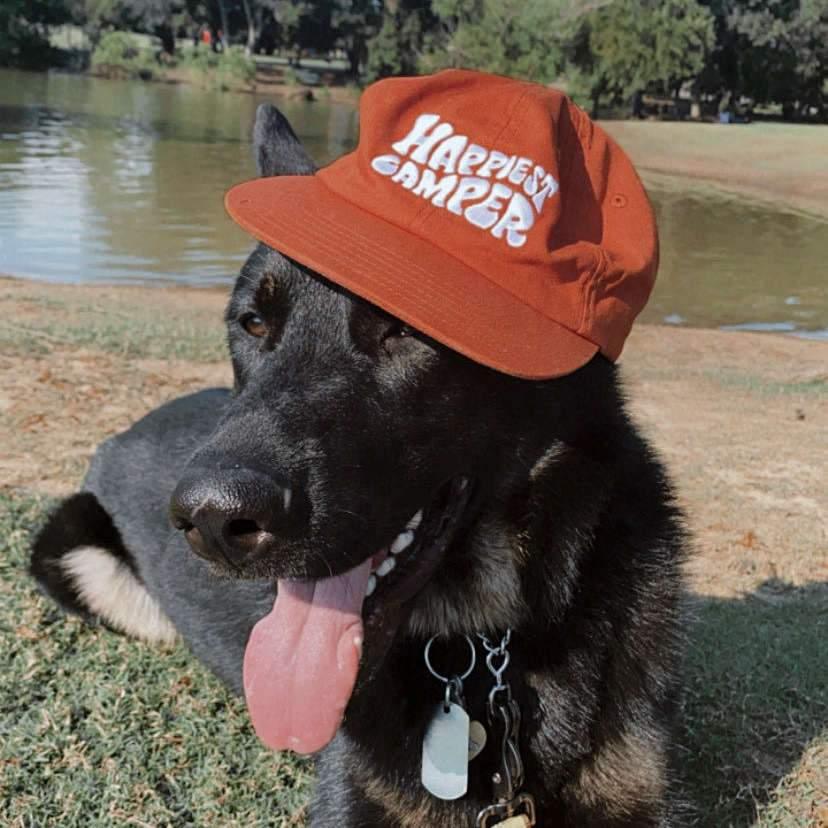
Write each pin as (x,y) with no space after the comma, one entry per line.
(779,165)
(775,164)
(122,181)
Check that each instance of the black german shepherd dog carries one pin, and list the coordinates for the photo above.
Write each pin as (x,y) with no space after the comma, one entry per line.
(510,504)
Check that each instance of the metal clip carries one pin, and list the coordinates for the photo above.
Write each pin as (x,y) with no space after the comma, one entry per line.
(522,805)
(509,778)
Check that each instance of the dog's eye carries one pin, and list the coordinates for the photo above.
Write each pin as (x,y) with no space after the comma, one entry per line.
(394,337)
(253,324)
(397,330)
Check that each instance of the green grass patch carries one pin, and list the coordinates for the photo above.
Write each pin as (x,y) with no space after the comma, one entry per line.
(756,708)
(131,330)
(816,386)
(97,729)
(119,55)
(227,70)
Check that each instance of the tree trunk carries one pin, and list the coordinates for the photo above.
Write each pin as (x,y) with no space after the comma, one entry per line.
(596,106)
(355,57)
(225,31)
(167,37)
(251,27)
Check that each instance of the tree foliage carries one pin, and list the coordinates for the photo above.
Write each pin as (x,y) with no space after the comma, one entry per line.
(398,46)
(509,37)
(633,45)
(771,50)
(606,50)
(356,23)
(23,30)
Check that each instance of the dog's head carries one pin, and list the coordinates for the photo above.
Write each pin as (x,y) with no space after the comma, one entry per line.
(360,465)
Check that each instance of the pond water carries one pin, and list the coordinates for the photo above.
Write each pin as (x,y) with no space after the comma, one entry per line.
(116,181)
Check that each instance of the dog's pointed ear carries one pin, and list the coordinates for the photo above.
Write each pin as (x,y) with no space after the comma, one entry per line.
(278,150)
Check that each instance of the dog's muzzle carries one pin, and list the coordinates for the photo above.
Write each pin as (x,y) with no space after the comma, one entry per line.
(235,516)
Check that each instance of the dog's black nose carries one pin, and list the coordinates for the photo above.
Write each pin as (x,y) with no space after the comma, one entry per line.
(235,515)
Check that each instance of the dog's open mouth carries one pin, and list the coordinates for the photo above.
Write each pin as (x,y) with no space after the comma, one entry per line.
(302,660)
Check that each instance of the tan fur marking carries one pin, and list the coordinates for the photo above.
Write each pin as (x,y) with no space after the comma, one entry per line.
(625,775)
(110,590)
(490,599)
(406,812)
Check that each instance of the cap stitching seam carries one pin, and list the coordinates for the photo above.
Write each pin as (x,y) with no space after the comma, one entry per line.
(383,255)
(591,289)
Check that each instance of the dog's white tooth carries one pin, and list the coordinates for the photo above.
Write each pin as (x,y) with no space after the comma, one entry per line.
(464,481)
(415,521)
(385,567)
(402,541)
(372,585)
(287,495)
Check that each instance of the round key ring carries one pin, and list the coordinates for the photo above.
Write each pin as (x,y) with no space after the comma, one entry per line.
(438,676)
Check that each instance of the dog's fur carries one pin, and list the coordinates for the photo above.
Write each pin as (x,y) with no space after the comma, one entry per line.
(571,539)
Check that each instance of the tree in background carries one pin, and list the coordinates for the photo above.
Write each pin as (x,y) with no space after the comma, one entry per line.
(630,46)
(511,37)
(398,46)
(771,51)
(24,30)
(161,18)
(304,25)
(356,22)
(166,19)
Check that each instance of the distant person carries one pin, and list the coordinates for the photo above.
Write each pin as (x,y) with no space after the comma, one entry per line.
(725,107)
(207,36)
(638,104)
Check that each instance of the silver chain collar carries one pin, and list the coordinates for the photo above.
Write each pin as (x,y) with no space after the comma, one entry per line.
(504,719)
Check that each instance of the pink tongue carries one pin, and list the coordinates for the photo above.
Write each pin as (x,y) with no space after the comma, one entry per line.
(302,659)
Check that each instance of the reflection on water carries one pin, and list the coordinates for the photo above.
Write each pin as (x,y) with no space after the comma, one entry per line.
(123,181)
(728,262)
(106,180)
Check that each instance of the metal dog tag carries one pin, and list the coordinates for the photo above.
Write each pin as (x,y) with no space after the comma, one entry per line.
(445,768)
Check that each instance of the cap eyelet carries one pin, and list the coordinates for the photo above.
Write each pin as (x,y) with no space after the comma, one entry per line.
(618,200)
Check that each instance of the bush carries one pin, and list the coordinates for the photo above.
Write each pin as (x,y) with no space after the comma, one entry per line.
(230,69)
(235,69)
(116,55)
(24,47)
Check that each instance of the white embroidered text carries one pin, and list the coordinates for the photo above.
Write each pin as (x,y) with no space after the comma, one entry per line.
(492,190)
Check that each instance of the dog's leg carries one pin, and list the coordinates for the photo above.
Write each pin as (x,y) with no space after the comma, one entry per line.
(338,802)
(79,559)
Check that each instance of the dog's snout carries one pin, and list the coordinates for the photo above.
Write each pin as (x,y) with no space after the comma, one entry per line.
(236,515)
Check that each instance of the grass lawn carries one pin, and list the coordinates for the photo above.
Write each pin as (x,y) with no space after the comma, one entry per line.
(784,164)
(98,730)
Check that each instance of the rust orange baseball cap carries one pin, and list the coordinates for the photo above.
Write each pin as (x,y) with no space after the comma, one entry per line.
(491,214)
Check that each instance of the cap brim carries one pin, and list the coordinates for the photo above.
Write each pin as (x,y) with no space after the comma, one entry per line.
(406,276)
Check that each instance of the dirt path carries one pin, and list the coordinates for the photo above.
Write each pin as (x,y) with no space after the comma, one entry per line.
(742,419)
